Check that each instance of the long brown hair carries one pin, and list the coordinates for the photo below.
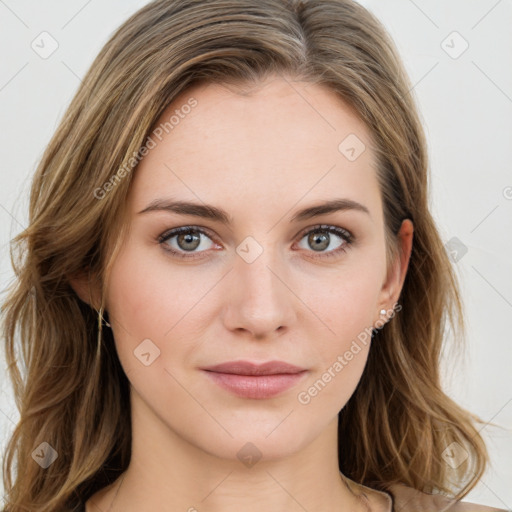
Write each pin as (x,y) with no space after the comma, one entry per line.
(398,422)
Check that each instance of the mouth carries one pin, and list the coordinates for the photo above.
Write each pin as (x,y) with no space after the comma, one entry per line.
(257,381)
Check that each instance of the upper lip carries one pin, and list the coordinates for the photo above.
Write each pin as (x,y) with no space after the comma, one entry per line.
(248,368)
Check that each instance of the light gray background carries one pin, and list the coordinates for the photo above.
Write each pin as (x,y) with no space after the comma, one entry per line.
(466,105)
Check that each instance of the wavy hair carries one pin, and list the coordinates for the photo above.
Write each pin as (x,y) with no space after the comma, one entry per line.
(397,423)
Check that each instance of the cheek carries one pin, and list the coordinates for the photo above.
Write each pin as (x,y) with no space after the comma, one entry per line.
(348,304)
(146,294)
(341,363)
(348,307)
(151,299)
(135,296)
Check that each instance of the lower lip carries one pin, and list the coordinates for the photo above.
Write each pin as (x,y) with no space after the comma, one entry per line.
(256,386)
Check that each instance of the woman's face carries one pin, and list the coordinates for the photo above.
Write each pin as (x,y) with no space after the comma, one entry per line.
(254,279)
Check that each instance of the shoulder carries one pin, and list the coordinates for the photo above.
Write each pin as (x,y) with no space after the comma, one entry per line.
(408,498)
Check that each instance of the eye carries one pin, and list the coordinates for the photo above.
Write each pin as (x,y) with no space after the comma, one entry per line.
(320,238)
(187,240)
(184,242)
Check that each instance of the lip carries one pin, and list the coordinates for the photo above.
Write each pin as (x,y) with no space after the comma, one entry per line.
(252,380)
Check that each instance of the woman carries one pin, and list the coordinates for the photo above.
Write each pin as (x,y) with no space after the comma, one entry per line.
(233,293)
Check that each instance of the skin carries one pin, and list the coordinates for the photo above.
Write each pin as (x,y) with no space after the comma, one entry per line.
(261,157)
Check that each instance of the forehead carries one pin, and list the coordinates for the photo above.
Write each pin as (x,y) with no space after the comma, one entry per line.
(281,136)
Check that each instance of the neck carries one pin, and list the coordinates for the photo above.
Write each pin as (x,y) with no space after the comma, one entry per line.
(168,473)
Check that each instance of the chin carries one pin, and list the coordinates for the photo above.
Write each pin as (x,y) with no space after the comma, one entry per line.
(267,439)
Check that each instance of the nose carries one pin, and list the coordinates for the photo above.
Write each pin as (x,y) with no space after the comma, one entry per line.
(259,301)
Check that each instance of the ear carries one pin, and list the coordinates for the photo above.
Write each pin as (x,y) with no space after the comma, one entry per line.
(86,287)
(396,276)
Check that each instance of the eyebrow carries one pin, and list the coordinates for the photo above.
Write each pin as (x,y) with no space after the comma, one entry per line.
(218,214)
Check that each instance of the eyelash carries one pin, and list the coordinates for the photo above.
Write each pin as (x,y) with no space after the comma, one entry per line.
(347,237)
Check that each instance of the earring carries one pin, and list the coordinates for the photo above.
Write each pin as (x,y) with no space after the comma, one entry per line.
(382,311)
(100,317)
(100,325)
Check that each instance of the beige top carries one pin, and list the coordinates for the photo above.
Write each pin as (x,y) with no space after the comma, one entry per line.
(407,499)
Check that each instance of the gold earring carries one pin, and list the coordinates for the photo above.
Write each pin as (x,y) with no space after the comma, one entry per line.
(101,319)
(100,326)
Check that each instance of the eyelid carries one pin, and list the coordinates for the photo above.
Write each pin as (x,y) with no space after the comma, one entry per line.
(335,229)
(169,233)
